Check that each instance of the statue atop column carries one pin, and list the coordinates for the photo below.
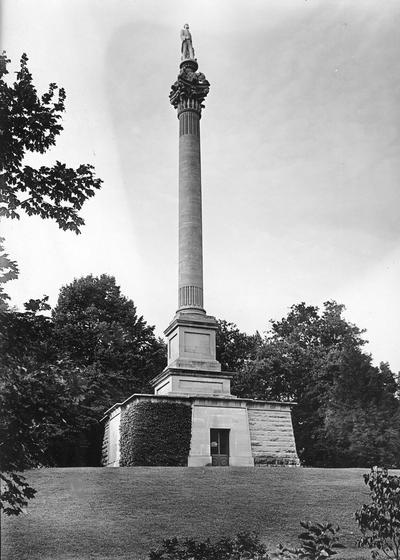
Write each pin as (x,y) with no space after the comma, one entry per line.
(187,47)
(190,85)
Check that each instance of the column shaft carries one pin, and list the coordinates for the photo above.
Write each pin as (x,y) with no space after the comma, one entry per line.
(190,214)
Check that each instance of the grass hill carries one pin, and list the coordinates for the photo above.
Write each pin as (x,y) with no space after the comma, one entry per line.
(119,514)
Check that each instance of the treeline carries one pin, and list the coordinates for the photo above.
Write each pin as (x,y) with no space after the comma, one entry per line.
(347,412)
(61,371)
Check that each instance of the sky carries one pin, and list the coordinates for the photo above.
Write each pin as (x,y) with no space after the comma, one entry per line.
(300,154)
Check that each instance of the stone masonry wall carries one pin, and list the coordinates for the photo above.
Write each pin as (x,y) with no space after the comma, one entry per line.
(104,449)
(270,428)
(271,435)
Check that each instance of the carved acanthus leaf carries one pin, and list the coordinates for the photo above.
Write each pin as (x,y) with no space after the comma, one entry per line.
(189,85)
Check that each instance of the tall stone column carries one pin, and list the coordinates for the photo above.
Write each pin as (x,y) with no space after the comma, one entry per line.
(190,295)
(187,95)
(191,333)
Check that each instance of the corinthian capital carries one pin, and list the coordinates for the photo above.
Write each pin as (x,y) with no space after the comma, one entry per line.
(190,85)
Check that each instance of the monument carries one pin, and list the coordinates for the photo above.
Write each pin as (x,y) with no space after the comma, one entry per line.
(225,430)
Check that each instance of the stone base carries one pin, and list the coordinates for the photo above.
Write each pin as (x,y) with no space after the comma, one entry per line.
(181,382)
(260,432)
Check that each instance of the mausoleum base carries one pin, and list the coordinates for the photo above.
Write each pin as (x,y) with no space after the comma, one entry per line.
(260,433)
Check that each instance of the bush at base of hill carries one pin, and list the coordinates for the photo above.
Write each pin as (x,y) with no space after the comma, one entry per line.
(155,434)
(318,542)
(242,546)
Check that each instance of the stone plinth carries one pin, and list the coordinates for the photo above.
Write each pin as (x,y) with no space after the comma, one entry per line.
(191,342)
(260,432)
(177,381)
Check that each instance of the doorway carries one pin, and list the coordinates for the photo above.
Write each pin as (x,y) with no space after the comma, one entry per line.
(219,445)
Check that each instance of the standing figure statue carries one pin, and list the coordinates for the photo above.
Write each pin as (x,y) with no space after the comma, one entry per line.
(187,47)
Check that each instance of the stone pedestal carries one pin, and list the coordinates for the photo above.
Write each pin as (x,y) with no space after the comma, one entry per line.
(191,342)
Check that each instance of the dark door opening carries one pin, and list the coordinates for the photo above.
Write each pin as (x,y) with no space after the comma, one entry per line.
(219,445)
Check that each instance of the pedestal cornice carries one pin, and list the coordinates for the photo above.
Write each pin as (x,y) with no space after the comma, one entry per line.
(195,320)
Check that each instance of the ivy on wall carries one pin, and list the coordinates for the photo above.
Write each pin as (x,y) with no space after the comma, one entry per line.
(155,434)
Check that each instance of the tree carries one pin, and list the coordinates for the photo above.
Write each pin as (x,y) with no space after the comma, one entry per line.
(61,373)
(316,359)
(36,405)
(362,418)
(8,271)
(96,325)
(234,348)
(29,123)
(114,350)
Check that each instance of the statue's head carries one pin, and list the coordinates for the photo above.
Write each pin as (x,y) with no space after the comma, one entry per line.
(186,26)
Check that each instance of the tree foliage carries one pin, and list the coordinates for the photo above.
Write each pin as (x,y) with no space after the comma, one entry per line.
(318,542)
(31,123)
(97,326)
(36,406)
(347,413)
(113,350)
(379,521)
(14,493)
(234,348)
(60,373)
(8,271)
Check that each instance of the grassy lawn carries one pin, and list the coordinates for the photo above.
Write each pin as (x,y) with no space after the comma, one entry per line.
(119,514)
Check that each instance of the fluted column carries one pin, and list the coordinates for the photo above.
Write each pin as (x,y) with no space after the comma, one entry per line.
(190,214)
(186,96)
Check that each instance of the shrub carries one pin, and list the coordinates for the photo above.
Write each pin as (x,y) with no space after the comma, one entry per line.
(240,547)
(379,521)
(155,434)
(318,542)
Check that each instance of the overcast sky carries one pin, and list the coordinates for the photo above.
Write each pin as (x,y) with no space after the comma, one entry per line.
(300,154)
